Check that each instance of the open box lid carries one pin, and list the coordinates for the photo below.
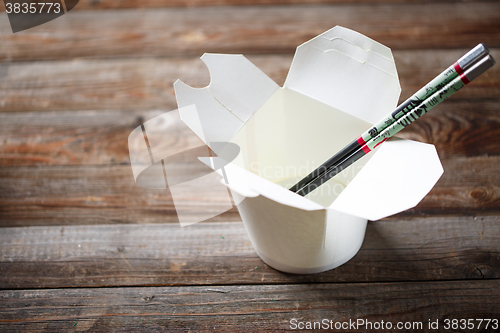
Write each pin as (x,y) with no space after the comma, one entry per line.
(340,68)
(347,71)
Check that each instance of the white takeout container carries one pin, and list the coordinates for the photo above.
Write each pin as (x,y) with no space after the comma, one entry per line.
(339,83)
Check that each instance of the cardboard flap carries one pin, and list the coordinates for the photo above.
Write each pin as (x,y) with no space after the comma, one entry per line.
(238,84)
(204,115)
(237,179)
(348,71)
(237,89)
(248,184)
(396,178)
(276,193)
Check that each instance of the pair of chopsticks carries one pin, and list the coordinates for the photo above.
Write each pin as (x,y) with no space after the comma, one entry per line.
(464,70)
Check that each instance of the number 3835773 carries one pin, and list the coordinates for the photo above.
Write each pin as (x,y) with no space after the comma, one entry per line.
(33,7)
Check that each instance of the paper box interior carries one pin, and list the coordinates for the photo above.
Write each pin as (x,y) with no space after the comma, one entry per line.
(339,84)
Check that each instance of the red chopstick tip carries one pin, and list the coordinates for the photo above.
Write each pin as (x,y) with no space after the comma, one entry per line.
(464,78)
(457,67)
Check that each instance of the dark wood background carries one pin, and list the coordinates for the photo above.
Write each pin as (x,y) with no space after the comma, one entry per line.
(82,248)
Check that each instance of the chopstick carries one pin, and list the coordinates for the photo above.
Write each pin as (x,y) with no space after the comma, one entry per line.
(457,68)
(444,85)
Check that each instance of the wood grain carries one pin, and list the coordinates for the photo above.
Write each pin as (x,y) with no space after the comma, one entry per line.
(134,84)
(468,186)
(254,29)
(82,248)
(61,195)
(244,308)
(137,4)
(447,248)
(417,67)
(90,195)
(81,137)
(144,84)
(457,129)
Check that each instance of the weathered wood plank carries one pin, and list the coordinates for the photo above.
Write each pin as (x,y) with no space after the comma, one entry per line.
(136,4)
(417,67)
(111,84)
(247,308)
(466,185)
(91,195)
(125,84)
(451,248)
(457,128)
(142,84)
(125,4)
(62,195)
(80,137)
(253,29)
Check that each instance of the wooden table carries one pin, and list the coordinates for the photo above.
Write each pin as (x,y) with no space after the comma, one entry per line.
(83,248)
